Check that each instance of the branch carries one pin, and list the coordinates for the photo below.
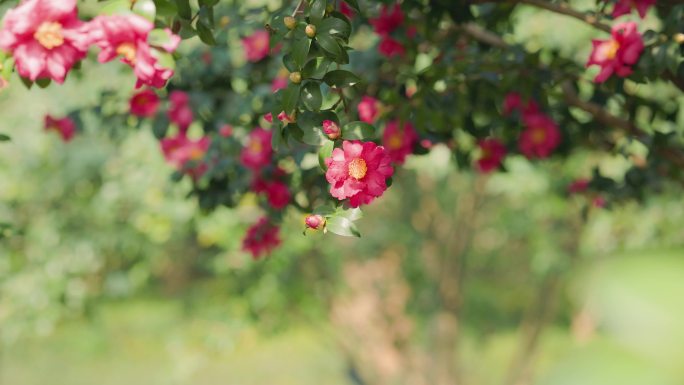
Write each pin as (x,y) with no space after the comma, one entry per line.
(564,9)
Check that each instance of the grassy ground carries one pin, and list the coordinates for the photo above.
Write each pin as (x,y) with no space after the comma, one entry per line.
(154,342)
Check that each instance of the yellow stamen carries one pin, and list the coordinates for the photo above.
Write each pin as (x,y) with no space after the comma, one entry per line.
(255,146)
(538,135)
(358,168)
(395,141)
(49,35)
(608,50)
(128,51)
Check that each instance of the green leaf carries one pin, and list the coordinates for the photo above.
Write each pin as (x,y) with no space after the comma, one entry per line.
(357,130)
(116,6)
(341,79)
(300,51)
(146,9)
(354,4)
(289,63)
(184,10)
(324,153)
(312,96)
(4,138)
(160,126)
(43,82)
(342,226)
(329,45)
(277,137)
(317,11)
(166,8)
(336,27)
(158,37)
(291,98)
(311,126)
(164,58)
(353,214)
(316,68)
(205,34)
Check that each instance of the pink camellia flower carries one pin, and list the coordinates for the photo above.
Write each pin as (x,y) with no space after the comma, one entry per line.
(617,54)
(578,186)
(226,131)
(257,152)
(369,109)
(388,20)
(399,140)
(331,129)
(624,7)
(180,150)
(180,111)
(314,221)
(256,45)
(125,36)
(279,83)
(144,104)
(346,10)
(66,127)
(45,38)
(358,171)
(261,238)
(390,47)
(540,137)
(493,152)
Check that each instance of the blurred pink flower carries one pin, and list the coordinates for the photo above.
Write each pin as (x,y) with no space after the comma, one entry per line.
(256,45)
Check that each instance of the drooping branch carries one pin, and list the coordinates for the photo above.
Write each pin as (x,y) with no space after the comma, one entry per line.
(564,9)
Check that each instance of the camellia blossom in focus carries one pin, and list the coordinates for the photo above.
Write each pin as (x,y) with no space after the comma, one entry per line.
(358,171)
(45,37)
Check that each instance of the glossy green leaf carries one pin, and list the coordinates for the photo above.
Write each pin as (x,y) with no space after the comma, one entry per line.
(341,79)
(312,96)
(324,153)
(336,27)
(205,34)
(342,226)
(184,10)
(291,97)
(317,11)
(357,130)
(300,51)
(316,68)
(329,45)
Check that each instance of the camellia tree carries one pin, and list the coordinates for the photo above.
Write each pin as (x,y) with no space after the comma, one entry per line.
(324,100)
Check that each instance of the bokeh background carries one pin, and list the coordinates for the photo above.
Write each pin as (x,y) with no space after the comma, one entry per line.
(110,275)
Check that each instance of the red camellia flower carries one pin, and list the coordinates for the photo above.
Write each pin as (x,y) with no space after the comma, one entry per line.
(45,37)
(493,152)
(390,47)
(540,137)
(578,186)
(144,104)
(390,18)
(624,7)
(314,221)
(278,194)
(256,45)
(617,54)
(358,171)
(346,10)
(399,140)
(180,111)
(369,109)
(66,127)
(261,238)
(258,151)
(126,36)
(180,150)
(512,102)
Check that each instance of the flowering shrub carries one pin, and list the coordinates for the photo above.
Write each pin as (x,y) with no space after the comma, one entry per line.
(290,107)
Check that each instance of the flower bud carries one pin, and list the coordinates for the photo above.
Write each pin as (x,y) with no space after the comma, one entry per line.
(315,221)
(296,77)
(310,31)
(290,22)
(331,129)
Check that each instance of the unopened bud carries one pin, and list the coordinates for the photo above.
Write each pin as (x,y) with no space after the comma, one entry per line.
(315,221)
(310,31)
(331,129)
(290,22)
(296,77)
